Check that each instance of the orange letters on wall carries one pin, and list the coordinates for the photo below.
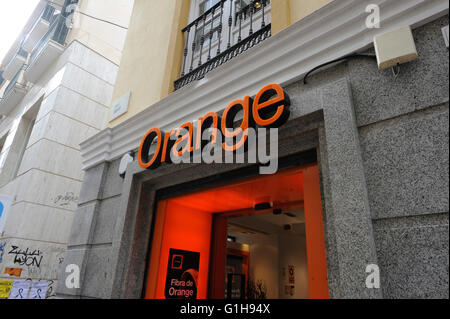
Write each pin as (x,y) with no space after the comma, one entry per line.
(270,109)
(209,120)
(263,106)
(146,143)
(188,137)
(228,120)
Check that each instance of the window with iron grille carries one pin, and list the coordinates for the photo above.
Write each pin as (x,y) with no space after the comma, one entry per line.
(206,5)
(220,30)
(205,31)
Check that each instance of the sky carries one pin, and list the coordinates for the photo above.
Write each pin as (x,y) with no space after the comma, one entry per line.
(14,15)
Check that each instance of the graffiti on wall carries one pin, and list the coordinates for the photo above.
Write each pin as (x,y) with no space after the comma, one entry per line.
(51,291)
(65,199)
(39,263)
(26,257)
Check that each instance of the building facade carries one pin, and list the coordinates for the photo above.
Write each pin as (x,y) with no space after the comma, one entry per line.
(361,188)
(58,83)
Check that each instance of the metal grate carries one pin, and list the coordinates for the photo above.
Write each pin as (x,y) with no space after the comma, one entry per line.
(207,31)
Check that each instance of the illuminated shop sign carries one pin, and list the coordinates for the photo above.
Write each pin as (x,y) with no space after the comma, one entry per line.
(269,109)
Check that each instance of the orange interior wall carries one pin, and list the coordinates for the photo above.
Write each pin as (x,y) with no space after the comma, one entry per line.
(186,229)
(155,253)
(315,238)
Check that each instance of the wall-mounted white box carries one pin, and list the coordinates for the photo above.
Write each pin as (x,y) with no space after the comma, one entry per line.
(395,47)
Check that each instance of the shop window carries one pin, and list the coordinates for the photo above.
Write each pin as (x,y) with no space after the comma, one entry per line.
(206,31)
(206,5)
(228,28)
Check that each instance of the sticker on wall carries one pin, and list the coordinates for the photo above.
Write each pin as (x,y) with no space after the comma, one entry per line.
(38,290)
(289,290)
(20,289)
(15,272)
(291,274)
(5,288)
(5,205)
(182,274)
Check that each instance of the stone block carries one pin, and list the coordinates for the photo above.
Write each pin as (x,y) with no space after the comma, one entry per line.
(93,183)
(413,256)
(406,162)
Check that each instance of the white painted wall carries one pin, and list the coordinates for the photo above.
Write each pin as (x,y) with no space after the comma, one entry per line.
(292,251)
(264,262)
(105,38)
(269,254)
(74,97)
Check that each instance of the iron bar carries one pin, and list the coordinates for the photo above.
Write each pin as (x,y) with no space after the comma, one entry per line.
(251,17)
(185,52)
(240,21)
(193,48)
(220,28)
(202,40)
(230,23)
(211,35)
(263,21)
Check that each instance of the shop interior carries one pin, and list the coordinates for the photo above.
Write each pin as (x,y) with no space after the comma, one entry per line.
(251,238)
(266,256)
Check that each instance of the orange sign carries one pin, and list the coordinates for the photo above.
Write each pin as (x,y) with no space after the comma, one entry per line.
(269,109)
(16,272)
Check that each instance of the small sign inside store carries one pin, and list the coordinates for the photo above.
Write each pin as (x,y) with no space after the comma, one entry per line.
(182,274)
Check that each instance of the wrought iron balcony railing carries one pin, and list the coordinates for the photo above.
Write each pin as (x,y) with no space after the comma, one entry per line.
(19,52)
(48,13)
(14,82)
(57,32)
(213,39)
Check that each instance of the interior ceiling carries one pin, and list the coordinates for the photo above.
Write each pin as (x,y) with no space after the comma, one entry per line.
(279,189)
(267,224)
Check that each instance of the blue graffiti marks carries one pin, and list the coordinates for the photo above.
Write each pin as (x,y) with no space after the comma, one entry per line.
(2,251)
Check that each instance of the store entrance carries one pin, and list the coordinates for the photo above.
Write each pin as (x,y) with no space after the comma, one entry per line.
(259,238)
(266,255)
